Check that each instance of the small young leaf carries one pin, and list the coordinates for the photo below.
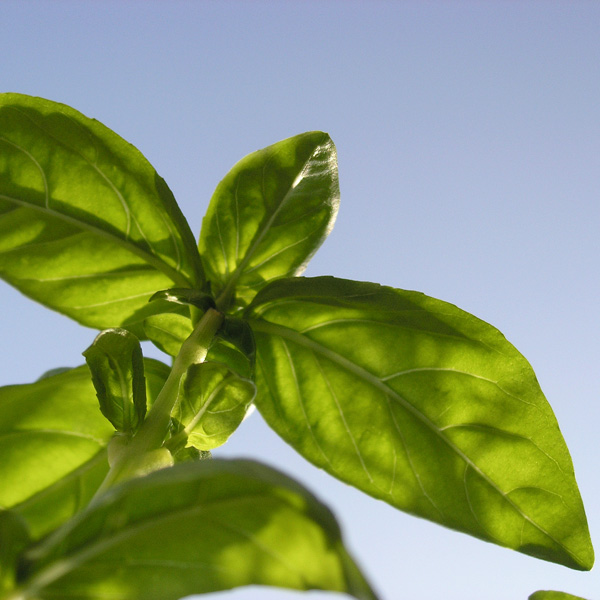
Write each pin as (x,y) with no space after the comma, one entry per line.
(117,366)
(548,595)
(53,442)
(187,454)
(269,215)
(228,354)
(238,333)
(422,405)
(14,538)
(212,402)
(87,227)
(196,528)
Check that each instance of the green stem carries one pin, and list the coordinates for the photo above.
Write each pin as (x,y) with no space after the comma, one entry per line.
(153,431)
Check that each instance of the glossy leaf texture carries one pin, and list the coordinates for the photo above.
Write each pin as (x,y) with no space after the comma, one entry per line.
(196,528)
(87,227)
(212,402)
(550,595)
(117,367)
(269,215)
(420,404)
(53,441)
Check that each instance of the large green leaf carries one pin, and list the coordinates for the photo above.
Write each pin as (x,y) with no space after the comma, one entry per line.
(87,227)
(549,595)
(269,215)
(117,366)
(53,441)
(420,404)
(196,528)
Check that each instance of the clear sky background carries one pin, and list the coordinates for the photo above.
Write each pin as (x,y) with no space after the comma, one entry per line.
(468,137)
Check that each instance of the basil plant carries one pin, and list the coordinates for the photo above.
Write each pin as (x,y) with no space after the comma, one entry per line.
(107,486)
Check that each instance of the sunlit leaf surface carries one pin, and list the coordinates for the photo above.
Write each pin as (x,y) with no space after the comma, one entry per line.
(269,215)
(195,528)
(168,331)
(87,227)
(212,402)
(53,441)
(422,405)
(117,367)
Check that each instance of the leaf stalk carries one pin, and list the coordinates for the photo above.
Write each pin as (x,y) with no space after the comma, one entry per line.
(143,452)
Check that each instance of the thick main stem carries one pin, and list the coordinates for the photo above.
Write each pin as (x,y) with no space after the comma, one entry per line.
(153,431)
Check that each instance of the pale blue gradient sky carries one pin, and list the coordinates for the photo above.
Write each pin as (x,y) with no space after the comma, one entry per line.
(468,136)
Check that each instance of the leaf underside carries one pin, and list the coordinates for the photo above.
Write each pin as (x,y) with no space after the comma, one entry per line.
(87,227)
(212,402)
(422,405)
(196,528)
(269,215)
(53,441)
(117,367)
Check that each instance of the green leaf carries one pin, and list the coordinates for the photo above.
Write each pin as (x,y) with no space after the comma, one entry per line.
(167,331)
(87,227)
(117,366)
(185,297)
(239,334)
(196,528)
(548,595)
(53,445)
(55,371)
(228,354)
(422,405)
(14,538)
(269,215)
(211,404)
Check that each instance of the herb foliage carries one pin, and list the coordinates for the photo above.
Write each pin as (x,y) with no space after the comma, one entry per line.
(106,487)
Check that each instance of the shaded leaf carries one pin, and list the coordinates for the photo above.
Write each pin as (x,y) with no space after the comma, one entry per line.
(422,405)
(87,227)
(228,354)
(196,528)
(14,538)
(187,454)
(184,297)
(117,367)
(53,443)
(269,215)
(238,333)
(55,371)
(211,404)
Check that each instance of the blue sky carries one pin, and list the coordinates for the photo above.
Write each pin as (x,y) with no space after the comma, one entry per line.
(468,138)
